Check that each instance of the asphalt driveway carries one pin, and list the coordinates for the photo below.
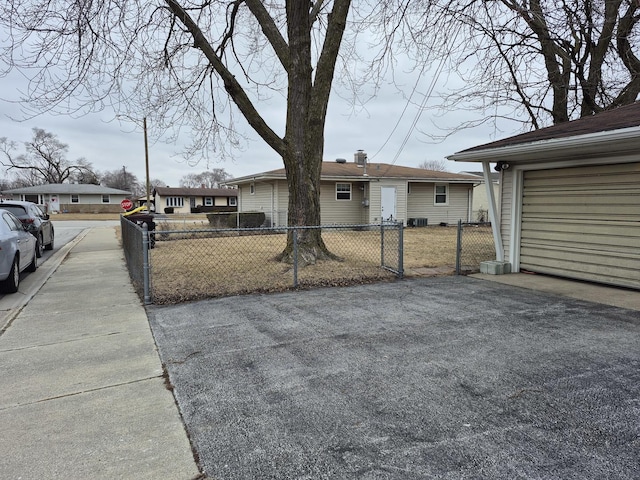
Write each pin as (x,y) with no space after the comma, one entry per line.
(450,377)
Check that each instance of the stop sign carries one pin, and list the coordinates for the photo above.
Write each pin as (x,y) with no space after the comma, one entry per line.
(126,204)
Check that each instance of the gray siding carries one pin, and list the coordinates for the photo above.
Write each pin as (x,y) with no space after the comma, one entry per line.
(259,201)
(345,212)
(421,203)
(505,200)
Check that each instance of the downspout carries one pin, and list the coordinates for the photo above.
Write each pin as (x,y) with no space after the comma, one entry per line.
(493,212)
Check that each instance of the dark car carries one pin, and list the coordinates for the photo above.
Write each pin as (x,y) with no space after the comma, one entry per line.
(35,220)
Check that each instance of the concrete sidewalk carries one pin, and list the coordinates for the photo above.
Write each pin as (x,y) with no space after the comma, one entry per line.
(83,394)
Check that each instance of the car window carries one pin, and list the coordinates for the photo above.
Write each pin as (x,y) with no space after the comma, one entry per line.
(17,210)
(12,222)
(35,211)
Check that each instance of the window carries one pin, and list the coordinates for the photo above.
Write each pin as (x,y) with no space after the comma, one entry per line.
(208,201)
(74,198)
(175,201)
(252,189)
(106,199)
(441,195)
(343,191)
(233,201)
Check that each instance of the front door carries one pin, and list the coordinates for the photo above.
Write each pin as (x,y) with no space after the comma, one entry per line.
(388,204)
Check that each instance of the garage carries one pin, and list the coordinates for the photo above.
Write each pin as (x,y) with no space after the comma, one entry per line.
(583,223)
(569,200)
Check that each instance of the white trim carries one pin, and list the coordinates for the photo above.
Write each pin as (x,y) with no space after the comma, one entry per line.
(435,194)
(493,212)
(516,219)
(570,146)
(350,192)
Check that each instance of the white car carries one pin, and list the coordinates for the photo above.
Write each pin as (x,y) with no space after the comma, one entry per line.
(17,251)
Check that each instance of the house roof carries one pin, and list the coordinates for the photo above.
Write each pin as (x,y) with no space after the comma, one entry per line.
(615,131)
(353,171)
(196,192)
(67,188)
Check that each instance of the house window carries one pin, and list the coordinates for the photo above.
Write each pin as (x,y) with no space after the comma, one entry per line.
(208,201)
(175,202)
(106,199)
(343,191)
(74,198)
(441,195)
(233,201)
(252,189)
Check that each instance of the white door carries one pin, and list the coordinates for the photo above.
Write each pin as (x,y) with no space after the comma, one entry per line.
(54,204)
(388,204)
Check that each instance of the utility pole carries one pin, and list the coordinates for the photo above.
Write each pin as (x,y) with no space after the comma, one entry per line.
(124,178)
(146,163)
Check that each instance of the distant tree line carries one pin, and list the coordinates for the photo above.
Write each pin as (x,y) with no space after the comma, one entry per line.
(44,161)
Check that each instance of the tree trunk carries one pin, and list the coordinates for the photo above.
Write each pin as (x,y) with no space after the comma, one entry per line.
(304,141)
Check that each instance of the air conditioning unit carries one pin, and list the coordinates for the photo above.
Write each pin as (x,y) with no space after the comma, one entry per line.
(417,222)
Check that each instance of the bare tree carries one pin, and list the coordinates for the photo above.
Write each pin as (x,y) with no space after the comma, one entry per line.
(156,182)
(537,62)
(178,61)
(434,165)
(122,179)
(209,179)
(44,161)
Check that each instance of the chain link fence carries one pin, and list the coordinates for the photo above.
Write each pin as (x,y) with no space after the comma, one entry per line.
(196,263)
(474,245)
(135,253)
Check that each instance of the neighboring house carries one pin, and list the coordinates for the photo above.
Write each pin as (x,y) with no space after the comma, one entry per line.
(72,197)
(481,199)
(570,197)
(363,193)
(192,200)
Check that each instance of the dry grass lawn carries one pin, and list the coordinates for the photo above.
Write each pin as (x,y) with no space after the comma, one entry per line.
(195,268)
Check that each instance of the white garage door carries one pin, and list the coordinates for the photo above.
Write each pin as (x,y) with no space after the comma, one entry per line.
(583,223)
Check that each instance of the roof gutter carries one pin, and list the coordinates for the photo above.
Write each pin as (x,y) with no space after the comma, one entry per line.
(625,140)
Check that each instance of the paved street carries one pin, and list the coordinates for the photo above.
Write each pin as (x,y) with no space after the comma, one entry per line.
(433,378)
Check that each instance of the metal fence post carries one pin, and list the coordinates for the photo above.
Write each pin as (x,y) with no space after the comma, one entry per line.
(382,243)
(400,250)
(295,257)
(145,263)
(459,247)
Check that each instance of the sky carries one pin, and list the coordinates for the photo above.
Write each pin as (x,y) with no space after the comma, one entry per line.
(110,145)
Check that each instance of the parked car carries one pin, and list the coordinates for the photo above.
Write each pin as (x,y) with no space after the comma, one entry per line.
(17,251)
(37,222)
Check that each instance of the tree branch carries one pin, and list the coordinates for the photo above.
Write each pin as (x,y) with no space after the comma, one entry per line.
(233,88)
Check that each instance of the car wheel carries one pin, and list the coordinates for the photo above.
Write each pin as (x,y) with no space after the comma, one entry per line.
(39,246)
(49,246)
(34,263)
(13,280)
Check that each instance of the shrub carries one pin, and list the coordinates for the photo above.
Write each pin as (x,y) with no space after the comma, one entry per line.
(247,219)
(219,220)
(168,209)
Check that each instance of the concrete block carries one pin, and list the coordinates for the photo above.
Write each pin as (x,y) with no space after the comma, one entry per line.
(495,267)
